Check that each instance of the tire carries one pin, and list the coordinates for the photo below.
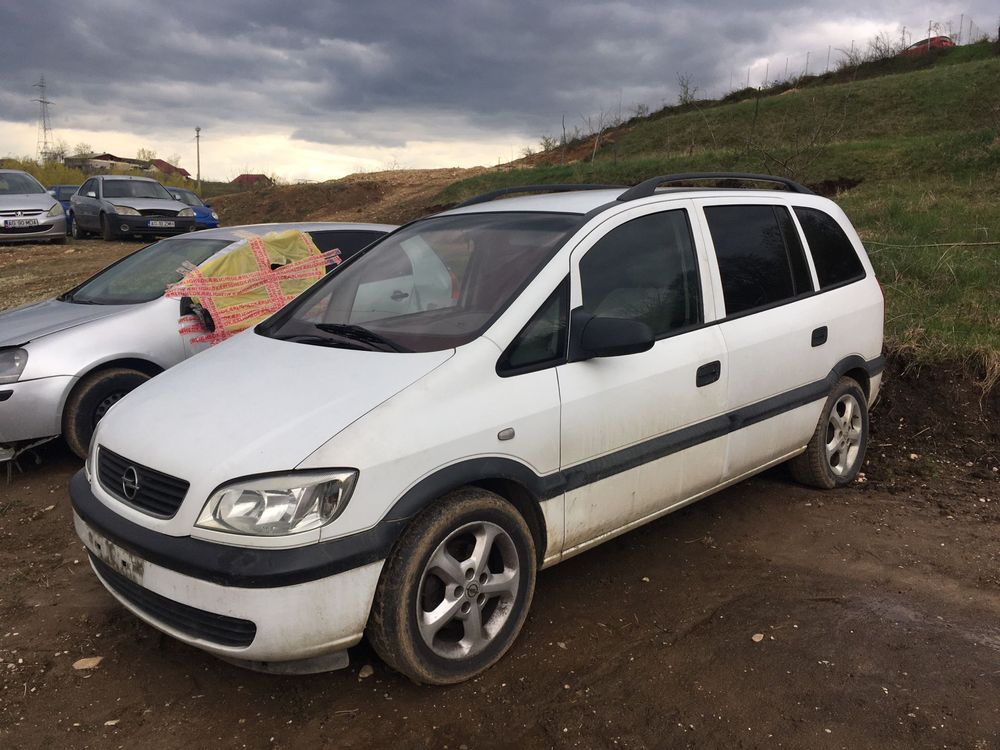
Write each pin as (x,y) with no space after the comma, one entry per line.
(107,233)
(76,230)
(836,451)
(411,584)
(91,399)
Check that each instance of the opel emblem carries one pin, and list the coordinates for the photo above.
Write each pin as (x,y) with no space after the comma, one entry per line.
(130,482)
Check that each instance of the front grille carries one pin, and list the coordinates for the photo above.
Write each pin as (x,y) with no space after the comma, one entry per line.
(23,213)
(158,494)
(197,623)
(165,212)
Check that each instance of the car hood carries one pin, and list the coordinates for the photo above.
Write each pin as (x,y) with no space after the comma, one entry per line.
(23,324)
(146,204)
(26,201)
(253,405)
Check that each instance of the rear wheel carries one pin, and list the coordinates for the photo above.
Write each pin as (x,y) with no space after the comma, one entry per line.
(107,233)
(836,451)
(90,401)
(455,592)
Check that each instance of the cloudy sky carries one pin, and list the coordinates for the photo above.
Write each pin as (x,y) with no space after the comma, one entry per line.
(316,89)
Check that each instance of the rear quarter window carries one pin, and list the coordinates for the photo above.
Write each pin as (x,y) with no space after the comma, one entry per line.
(833,254)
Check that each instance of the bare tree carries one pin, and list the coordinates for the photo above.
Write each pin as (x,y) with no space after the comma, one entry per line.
(688,90)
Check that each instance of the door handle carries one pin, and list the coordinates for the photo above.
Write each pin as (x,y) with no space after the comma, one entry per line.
(708,374)
(398,295)
(819,336)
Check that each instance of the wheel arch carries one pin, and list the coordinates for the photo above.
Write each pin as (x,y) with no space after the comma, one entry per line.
(133,363)
(514,481)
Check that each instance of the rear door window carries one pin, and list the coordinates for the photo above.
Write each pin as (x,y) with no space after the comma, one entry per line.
(832,252)
(761,260)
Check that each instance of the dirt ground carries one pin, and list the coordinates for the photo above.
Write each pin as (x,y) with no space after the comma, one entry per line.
(769,615)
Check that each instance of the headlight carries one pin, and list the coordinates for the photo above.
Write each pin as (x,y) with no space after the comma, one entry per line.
(125,211)
(12,362)
(215,216)
(57,210)
(186,213)
(279,505)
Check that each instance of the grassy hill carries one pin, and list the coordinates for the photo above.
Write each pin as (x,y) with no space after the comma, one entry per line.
(918,153)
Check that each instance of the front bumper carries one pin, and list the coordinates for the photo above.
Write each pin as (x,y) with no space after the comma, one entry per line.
(48,228)
(31,409)
(261,621)
(126,225)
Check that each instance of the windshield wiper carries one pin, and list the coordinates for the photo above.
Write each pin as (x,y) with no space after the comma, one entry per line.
(308,338)
(360,333)
(68,297)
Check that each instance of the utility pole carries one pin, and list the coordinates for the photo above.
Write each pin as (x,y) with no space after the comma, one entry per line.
(807,63)
(44,145)
(961,28)
(829,48)
(197,151)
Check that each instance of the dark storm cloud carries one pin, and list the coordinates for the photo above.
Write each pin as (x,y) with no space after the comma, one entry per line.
(376,72)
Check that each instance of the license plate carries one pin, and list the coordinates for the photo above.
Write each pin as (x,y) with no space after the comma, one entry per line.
(120,561)
(166,224)
(20,223)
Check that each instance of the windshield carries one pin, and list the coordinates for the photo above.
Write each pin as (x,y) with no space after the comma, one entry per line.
(145,274)
(18,183)
(187,197)
(436,284)
(134,189)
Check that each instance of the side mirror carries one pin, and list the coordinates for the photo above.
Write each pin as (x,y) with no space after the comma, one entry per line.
(91,194)
(594,336)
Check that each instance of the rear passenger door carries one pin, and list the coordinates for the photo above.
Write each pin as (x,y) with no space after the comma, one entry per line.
(771,324)
(637,430)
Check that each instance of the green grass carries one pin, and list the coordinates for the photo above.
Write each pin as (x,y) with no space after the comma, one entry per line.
(924,147)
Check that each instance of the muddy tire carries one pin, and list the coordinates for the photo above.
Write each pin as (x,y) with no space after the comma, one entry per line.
(455,591)
(107,233)
(75,230)
(836,451)
(90,401)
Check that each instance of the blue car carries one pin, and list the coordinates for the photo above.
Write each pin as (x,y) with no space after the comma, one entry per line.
(204,216)
(62,193)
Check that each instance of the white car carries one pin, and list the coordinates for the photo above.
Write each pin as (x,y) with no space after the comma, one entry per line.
(478,395)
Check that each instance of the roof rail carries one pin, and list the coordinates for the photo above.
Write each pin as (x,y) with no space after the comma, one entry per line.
(494,194)
(648,188)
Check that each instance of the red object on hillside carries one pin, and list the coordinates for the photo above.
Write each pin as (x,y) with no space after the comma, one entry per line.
(168,168)
(252,180)
(926,45)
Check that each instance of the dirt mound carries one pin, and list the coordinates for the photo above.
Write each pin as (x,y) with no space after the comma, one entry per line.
(392,197)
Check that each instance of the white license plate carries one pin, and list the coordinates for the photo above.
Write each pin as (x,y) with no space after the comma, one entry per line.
(120,561)
(20,223)
(167,224)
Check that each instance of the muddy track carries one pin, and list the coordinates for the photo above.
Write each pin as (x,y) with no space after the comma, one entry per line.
(877,611)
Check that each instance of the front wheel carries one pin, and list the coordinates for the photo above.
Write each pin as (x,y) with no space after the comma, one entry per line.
(836,451)
(455,591)
(107,233)
(75,229)
(90,401)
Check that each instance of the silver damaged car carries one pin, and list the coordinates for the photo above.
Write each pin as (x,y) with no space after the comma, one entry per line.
(65,361)
(27,211)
